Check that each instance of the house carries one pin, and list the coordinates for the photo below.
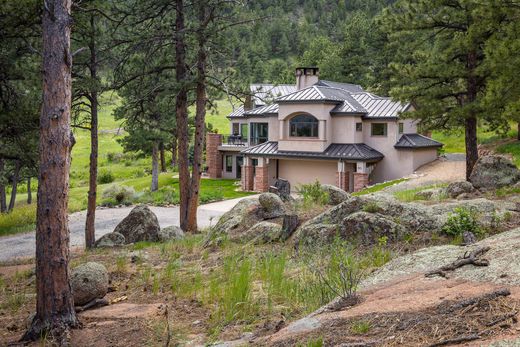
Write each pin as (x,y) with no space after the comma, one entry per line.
(336,133)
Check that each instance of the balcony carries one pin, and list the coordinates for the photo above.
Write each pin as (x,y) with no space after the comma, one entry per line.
(241,141)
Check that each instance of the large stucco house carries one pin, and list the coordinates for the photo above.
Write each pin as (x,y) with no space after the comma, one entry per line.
(336,133)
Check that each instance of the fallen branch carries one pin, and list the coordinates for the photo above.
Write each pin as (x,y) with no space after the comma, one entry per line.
(456,340)
(478,299)
(168,330)
(503,318)
(473,258)
(92,304)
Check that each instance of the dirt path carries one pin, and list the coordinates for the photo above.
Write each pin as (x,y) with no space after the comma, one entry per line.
(23,245)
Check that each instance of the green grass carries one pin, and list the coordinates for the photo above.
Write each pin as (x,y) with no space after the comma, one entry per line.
(454,140)
(378,187)
(411,194)
(512,148)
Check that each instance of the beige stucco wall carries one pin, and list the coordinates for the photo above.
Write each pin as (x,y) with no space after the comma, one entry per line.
(423,156)
(344,129)
(307,171)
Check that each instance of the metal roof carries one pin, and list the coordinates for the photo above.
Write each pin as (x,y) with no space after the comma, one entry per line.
(416,141)
(349,87)
(379,107)
(238,112)
(336,151)
(265,93)
(268,109)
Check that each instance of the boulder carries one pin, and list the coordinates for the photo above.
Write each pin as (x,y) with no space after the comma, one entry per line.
(110,240)
(140,225)
(263,232)
(368,228)
(282,188)
(171,233)
(493,172)
(89,281)
(428,194)
(454,189)
(234,223)
(272,205)
(290,224)
(336,195)
(315,233)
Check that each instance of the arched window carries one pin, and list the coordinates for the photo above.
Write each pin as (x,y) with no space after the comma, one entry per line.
(304,126)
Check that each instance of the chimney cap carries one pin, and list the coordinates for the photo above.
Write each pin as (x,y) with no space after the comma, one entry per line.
(314,70)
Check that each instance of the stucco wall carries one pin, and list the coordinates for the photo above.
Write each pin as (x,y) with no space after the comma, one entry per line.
(344,129)
(423,156)
(307,171)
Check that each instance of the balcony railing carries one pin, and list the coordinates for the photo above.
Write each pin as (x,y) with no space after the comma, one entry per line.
(257,140)
(238,140)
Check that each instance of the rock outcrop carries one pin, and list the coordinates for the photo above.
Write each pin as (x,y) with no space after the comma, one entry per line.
(336,195)
(263,232)
(110,240)
(89,281)
(272,205)
(140,225)
(171,233)
(368,228)
(493,172)
(455,189)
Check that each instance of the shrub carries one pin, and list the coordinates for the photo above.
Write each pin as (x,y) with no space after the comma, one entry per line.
(115,157)
(105,176)
(461,220)
(313,193)
(371,207)
(118,195)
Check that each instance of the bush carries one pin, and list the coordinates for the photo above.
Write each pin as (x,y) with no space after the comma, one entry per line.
(461,220)
(371,207)
(105,177)
(118,195)
(313,193)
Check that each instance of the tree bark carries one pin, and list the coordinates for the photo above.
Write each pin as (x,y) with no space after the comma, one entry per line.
(471,120)
(14,185)
(518,131)
(174,152)
(90,229)
(200,116)
(3,198)
(29,191)
(55,312)
(181,108)
(155,167)
(163,159)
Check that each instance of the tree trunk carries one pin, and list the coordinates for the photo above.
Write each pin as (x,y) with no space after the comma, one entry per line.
(174,152)
(200,116)
(29,191)
(471,120)
(3,198)
(181,108)
(14,185)
(518,131)
(55,312)
(163,160)
(155,167)
(90,229)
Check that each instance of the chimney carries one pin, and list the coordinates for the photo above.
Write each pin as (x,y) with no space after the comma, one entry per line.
(306,77)
(248,103)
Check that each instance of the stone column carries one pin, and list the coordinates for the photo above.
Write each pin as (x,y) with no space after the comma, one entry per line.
(261,176)
(213,155)
(247,175)
(360,181)
(342,177)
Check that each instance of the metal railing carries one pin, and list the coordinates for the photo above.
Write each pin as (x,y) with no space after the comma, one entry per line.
(238,140)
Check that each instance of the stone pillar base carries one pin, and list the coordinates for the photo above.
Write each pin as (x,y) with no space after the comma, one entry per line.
(342,180)
(261,179)
(213,155)
(247,177)
(360,181)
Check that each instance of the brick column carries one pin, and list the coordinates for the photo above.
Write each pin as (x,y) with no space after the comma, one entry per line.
(342,180)
(213,155)
(360,181)
(261,179)
(247,177)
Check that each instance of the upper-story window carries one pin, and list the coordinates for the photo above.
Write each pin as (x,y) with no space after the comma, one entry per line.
(236,129)
(401,128)
(379,129)
(303,126)
(359,126)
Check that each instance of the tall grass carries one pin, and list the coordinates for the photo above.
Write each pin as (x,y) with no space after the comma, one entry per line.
(20,219)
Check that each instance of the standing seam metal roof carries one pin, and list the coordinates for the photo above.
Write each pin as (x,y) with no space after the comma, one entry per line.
(411,141)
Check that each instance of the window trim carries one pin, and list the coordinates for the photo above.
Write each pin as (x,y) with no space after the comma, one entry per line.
(315,122)
(400,127)
(385,132)
(360,128)
(226,157)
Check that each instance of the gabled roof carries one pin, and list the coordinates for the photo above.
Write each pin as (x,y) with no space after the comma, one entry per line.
(410,141)
(349,87)
(379,107)
(265,93)
(336,151)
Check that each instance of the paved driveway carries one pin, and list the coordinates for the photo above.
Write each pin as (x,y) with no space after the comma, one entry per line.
(23,245)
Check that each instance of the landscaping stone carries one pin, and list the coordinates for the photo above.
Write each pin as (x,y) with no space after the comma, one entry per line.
(140,225)
(282,188)
(89,281)
(263,232)
(290,224)
(428,194)
(110,240)
(493,172)
(368,228)
(455,189)
(171,233)
(272,205)
(336,195)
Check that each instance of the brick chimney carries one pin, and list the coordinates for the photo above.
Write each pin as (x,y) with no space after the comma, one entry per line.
(306,77)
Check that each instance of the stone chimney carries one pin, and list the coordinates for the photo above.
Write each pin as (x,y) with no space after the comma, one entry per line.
(248,103)
(306,77)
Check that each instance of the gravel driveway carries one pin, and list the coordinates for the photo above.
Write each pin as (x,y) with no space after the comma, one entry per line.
(23,245)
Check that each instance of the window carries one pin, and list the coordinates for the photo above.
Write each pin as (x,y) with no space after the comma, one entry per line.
(359,126)
(401,128)
(236,129)
(229,163)
(259,133)
(244,131)
(303,126)
(379,129)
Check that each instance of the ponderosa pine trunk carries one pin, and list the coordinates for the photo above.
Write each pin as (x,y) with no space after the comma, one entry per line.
(181,107)
(471,122)
(29,191)
(518,131)
(3,197)
(90,229)
(174,152)
(14,185)
(55,312)
(163,159)
(200,116)
(155,167)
